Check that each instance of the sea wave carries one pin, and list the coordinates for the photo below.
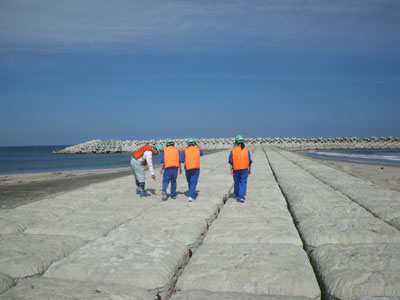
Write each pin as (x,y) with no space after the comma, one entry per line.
(384,156)
(358,156)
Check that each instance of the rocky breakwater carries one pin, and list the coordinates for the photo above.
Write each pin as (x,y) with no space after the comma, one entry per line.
(117,146)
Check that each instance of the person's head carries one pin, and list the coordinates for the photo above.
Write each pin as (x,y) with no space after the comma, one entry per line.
(191,142)
(170,142)
(239,141)
(157,149)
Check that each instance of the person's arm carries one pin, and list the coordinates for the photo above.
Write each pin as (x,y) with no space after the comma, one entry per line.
(201,152)
(148,155)
(180,167)
(250,163)
(182,156)
(181,160)
(230,161)
(162,162)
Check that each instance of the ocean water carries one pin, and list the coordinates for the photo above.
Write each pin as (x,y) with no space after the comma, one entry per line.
(32,159)
(387,156)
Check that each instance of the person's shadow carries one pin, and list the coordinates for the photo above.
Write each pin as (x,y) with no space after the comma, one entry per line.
(232,195)
(151,192)
(196,193)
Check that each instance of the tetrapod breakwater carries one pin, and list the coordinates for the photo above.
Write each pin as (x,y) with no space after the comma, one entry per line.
(117,146)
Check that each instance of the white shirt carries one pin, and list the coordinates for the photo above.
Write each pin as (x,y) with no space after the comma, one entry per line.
(148,156)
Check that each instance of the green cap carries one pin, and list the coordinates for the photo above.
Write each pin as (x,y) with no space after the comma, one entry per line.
(158,147)
(239,138)
(190,141)
(170,142)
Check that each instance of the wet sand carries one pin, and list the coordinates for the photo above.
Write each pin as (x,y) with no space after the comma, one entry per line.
(18,189)
(386,175)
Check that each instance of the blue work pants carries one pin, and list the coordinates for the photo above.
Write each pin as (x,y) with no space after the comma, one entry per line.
(192,176)
(170,174)
(240,180)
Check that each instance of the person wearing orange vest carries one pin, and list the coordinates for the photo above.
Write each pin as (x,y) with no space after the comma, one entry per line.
(240,162)
(191,157)
(140,158)
(169,168)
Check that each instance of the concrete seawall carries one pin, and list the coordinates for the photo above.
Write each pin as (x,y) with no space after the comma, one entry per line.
(306,231)
(116,146)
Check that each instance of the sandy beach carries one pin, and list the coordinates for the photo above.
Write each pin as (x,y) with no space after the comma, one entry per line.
(385,175)
(18,189)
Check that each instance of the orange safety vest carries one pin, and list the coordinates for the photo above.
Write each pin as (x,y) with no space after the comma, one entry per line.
(192,158)
(171,157)
(139,153)
(240,158)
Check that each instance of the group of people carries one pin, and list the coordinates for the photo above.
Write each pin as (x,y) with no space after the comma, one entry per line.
(171,160)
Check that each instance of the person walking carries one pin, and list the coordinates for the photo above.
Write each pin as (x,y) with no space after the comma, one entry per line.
(240,165)
(191,158)
(169,168)
(139,159)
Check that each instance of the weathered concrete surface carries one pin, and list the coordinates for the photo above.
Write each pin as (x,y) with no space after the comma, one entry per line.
(272,230)
(43,288)
(380,201)
(356,253)
(271,269)
(12,221)
(81,225)
(201,295)
(105,242)
(333,220)
(252,250)
(150,263)
(123,239)
(351,271)
(6,282)
(23,255)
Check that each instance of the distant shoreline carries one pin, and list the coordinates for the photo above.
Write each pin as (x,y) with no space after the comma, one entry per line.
(371,161)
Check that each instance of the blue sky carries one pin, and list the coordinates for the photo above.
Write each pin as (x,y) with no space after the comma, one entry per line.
(72,71)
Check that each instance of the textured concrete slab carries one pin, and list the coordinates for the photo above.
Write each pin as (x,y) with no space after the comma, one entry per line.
(12,221)
(324,205)
(280,269)
(149,264)
(85,226)
(178,209)
(318,232)
(354,271)
(59,207)
(23,255)
(271,230)
(184,230)
(380,201)
(378,298)
(201,295)
(53,289)
(6,282)
(267,209)
(356,252)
